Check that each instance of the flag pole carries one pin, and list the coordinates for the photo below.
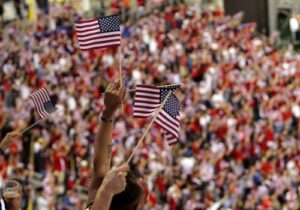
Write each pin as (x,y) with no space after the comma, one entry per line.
(133,90)
(120,71)
(160,86)
(148,128)
(31,126)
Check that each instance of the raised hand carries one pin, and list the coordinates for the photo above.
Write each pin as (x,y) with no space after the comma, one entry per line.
(115,180)
(114,96)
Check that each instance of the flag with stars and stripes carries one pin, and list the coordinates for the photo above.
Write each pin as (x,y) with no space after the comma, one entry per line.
(168,119)
(148,98)
(42,102)
(99,33)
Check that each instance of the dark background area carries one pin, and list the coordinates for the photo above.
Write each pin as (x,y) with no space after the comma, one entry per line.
(255,11)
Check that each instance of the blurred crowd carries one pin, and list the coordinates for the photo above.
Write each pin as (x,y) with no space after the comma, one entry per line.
(240,111)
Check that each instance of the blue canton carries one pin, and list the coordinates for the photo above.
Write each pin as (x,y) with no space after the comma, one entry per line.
(172,106)
(49,107)
(164,91)
(109,23)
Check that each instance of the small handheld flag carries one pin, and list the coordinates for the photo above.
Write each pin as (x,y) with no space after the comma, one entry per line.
(42,103)
(99,33)
(149,126)
(168,119)
(148,98)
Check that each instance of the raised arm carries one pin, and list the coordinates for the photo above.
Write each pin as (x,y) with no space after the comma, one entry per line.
(103,144)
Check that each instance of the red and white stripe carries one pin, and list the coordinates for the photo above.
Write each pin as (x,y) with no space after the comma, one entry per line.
(171,139)
(147,100)
(170,125)
(90,36)
(39,97)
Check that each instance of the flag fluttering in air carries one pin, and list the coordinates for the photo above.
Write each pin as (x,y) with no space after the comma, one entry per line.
(42,102)
(99,33)
(168,119)
(148,98)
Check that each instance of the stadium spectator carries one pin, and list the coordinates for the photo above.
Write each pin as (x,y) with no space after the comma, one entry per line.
(239,118)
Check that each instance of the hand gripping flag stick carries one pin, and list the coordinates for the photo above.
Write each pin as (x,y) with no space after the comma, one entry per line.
(149,126)
(43,106)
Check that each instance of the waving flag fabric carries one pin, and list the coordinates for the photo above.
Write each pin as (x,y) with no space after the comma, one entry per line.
(168,119)
(99,33)
(148,98)
(42,102)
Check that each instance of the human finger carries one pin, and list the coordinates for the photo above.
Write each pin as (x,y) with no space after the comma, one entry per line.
(122,174)
(123,168)
(121,81)
(109,88)
(14,133)
(116,84)
(121,92)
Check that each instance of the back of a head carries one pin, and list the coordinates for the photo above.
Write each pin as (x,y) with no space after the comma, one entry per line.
(130,198)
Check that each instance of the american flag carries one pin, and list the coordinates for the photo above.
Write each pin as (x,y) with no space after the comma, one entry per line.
(148,98)
(168,118)
(99,33)
(42,102)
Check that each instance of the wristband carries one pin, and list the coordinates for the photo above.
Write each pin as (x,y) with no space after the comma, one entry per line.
(106,120)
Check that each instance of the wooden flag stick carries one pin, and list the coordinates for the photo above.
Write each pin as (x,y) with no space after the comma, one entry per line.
(31,126)
(133,90)
(120,72)
(148,128)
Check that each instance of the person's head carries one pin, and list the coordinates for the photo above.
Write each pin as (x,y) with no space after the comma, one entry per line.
(134,197)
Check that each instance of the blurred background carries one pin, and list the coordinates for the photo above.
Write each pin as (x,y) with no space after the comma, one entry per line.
(239,68)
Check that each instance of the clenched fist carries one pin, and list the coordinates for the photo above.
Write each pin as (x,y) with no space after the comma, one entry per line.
(114,96)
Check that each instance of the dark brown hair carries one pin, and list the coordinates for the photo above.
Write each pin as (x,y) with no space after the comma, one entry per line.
(131,196)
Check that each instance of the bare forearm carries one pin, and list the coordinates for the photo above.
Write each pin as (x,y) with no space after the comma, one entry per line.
(102,200)
(103,145)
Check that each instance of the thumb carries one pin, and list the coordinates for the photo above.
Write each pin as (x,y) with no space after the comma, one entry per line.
(123,168)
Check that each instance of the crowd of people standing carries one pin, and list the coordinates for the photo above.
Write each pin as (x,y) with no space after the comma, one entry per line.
(240,111)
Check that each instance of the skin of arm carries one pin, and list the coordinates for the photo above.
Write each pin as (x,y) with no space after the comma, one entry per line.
(114,182)
(8,139)
(103,144)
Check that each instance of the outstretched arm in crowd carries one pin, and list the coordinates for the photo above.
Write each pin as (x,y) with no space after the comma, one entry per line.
(8,139)
(103,144)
